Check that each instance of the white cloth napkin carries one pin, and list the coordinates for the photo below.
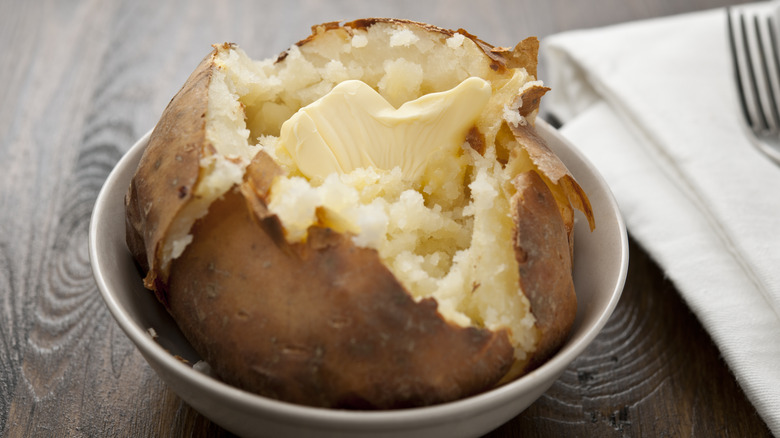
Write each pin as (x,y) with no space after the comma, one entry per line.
(653,104)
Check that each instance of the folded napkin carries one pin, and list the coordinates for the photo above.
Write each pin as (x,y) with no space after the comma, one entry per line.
(653,105)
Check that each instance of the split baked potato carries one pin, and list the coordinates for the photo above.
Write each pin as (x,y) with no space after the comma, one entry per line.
(368,221)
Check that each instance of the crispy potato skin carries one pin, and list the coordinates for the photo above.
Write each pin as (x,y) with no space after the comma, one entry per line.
(323,322)
(542,253)
(554,170)
(166,176)
(524,54)
(320,323)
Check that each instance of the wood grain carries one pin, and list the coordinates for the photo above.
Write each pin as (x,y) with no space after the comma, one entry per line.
(84,79)
(652,349)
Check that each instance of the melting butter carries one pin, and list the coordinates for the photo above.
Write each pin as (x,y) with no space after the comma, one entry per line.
(354,127)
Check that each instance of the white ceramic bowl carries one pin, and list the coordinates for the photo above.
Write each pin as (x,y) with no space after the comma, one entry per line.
(601,262)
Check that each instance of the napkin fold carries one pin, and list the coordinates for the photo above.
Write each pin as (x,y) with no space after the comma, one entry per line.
(653,105)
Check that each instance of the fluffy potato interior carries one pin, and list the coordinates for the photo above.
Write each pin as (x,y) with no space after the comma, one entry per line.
(447,235)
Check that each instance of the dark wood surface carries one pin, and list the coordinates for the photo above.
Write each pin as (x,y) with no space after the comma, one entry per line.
(82,80)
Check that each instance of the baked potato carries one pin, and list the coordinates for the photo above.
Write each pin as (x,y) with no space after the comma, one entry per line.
(367,221)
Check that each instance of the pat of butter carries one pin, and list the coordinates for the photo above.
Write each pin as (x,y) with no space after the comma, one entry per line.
(354,127)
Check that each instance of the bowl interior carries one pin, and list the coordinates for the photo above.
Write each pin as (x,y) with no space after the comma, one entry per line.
(601,260)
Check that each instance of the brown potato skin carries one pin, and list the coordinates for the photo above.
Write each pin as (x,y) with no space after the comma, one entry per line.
(321,323)
(551,167)
(167,174)
(543,257)
(325,323)
(524,54)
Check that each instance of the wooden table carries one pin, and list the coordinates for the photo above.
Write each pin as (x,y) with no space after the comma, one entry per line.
(84,79)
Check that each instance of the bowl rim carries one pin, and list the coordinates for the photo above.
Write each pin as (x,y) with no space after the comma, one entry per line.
(324,417)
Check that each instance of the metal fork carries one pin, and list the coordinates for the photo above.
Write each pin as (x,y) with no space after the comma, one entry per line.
(753,36)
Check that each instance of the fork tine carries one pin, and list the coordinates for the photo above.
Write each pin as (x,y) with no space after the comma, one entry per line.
(743,69)
(763,60)
(769,37)
(735,57)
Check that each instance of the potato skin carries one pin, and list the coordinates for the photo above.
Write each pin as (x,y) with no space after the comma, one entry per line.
(167,173)
(321,323)
(524,54)
(325,323)
(543,257)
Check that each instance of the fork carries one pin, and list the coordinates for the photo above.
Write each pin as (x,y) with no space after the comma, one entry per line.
(753,37)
